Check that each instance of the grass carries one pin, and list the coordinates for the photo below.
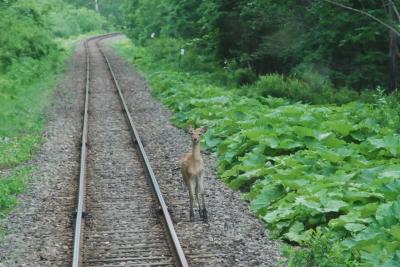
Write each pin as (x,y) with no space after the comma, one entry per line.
(31,58)
(11,186)
(25,92)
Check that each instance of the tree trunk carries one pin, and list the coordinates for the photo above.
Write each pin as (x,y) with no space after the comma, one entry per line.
(393,52)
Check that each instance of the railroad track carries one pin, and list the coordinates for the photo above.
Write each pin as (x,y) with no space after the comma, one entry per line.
(121,216)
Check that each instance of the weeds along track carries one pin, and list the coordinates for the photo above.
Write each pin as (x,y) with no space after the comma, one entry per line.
(122,219)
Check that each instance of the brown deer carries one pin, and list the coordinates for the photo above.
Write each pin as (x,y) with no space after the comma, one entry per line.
(192,168)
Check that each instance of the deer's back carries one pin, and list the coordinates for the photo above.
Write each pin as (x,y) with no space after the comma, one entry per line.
(191,167)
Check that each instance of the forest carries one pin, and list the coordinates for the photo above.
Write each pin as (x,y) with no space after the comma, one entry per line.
(315,41)
(300,98)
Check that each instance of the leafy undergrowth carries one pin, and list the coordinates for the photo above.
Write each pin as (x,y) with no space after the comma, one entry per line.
(324,177)
(25,90)
(11,186)
(30,60)
(30,57)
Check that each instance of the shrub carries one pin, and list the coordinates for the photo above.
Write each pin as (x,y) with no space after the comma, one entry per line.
(24,34)
(242,76)
(298,90)
(68,21)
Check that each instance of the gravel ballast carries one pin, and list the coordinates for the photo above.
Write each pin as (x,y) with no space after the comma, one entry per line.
(232,234)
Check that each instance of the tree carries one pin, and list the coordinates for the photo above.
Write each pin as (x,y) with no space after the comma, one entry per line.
(392,25)
(343,42)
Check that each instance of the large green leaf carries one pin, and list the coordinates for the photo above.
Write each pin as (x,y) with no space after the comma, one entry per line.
(354,227)
(342,127)
(294,233)
(268,194)
(391,143)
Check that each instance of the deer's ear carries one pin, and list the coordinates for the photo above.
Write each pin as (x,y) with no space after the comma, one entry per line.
(204,129)
(190,129)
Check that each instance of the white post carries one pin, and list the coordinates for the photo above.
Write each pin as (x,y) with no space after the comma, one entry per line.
(96,5)
(181,53)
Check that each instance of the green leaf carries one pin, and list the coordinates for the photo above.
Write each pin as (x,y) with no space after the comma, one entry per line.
(294,233)
(279,214)
(343,127)
(391,143)
(354,227)
(211,141)
(323,136)
(391,172)
(395,232)
(269,141)
(333,205)
(268,194)
(309,204)
(303,131)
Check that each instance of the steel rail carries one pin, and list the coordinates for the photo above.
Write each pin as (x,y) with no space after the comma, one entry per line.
(82,173)
(178,251)
(80,211)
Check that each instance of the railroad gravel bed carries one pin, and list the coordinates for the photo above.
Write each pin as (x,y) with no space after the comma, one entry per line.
(232,236)
(38,231)
(123,226)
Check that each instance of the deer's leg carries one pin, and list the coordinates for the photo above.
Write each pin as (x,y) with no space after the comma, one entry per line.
(200,186)
(191,187)
(197,197)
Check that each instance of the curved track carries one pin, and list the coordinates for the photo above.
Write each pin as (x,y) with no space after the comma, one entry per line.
(122,219)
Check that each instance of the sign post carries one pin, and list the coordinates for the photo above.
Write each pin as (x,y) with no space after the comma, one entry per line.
(181,54)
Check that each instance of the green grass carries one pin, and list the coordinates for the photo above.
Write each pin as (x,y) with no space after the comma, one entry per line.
(324,177)
(11,186)
(31,58)
(25,92)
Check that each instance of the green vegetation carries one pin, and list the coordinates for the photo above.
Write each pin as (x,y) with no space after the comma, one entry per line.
(344,44)
(11,186)
(30,60)
(67,21)
(315,40)
(325,177)
(114,11)
(293,93)
(26,91)
(299,90)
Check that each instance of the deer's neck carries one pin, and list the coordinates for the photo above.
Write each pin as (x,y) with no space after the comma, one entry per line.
(196,151)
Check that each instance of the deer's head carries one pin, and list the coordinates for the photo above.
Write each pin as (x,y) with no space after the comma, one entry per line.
(196,133)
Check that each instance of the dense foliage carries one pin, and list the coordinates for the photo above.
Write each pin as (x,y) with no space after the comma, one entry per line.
(308,39)
(325,177)
(30,57)
(65,21)
(112,9)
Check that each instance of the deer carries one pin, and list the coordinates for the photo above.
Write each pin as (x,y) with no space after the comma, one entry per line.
(192,169)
